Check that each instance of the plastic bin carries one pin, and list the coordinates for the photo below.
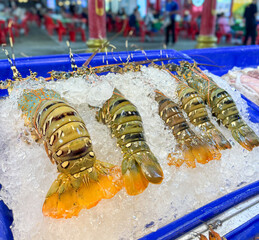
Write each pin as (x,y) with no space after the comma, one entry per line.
(226,58)
(223,60)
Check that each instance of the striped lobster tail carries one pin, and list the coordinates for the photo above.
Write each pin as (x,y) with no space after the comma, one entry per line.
(139,166)
(194,106)
(83,181)
(192,146)
(222,106)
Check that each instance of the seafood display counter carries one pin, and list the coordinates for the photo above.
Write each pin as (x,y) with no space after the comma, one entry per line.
(217,61)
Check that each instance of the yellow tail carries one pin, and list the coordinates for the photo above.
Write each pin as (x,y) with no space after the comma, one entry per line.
(246,137)
(138,170)
(68,195)
(201,152)
(220,141)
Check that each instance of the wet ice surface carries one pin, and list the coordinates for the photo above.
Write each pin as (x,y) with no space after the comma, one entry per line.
(26,173)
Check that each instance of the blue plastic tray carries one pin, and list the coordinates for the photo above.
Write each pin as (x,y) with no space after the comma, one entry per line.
(223,60)
(226,58)
(203,214)
(247,231)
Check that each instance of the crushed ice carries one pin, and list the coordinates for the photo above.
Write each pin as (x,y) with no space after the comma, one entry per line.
(26,173)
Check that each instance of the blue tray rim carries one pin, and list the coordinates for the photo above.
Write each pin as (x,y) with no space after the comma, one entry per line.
(65,58)
(186,223)
(249,230)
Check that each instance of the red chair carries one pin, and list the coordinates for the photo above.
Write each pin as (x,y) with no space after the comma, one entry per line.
(128,28)
(3,32)
(82,32)
(144,32)
(61,30)
(118,24)
(72,32)
(221,32)
(177,30)
(33,17)
(23,25)
(81,29)
(257,38)
(36,19)
(109,25)
(50,25)
(185,29)
(193,30)
(75,28)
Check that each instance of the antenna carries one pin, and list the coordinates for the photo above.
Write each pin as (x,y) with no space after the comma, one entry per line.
(127,46)
(16,74)
(105,44)
(71,56)
(11,39)
(113,47)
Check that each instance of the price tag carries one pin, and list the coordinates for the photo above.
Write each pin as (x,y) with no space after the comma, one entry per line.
(197,3)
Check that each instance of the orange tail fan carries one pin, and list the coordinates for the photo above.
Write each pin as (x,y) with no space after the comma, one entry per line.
(192,151)
(220,141)
(246,137)
(140,169)
(68,195)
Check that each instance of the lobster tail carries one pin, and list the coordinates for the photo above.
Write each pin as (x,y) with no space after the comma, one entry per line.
(133,178)
(140,169)
(83,181)
(221,103)
(216,137)
(194,106)
(139,166)
(245,136)
(150,167)
(203,152)
(224,108)
(71,193)
(192,147)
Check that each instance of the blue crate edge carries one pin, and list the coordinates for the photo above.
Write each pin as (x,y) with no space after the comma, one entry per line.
(241,57)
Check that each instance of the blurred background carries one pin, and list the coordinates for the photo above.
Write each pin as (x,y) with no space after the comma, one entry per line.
(42,27)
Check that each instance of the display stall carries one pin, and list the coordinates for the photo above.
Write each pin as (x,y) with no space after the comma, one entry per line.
(217,61)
